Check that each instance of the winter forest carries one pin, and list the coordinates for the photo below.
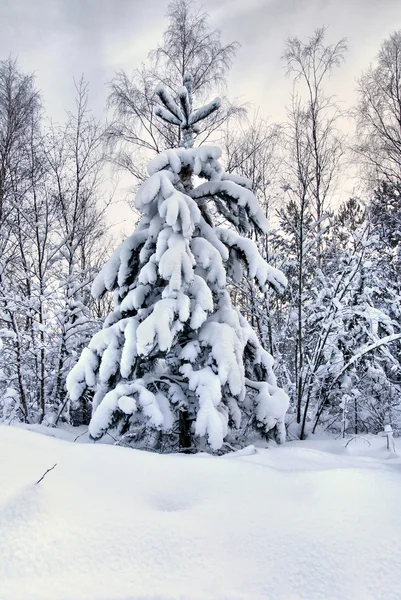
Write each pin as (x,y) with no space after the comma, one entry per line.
(251,300)
(200,305)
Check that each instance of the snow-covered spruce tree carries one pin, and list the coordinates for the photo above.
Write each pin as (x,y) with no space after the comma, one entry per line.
(175,357)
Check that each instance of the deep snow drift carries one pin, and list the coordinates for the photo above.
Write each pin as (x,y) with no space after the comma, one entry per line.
(305,521)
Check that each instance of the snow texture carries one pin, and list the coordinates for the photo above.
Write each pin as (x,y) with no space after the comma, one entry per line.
(307,521)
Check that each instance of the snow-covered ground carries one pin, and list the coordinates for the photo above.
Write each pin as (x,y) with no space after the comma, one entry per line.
(310,520)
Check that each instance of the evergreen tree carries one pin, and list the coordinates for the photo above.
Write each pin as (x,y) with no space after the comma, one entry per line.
(175,358)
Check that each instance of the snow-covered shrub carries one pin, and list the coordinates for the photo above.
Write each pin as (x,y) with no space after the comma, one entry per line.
(10,405)
(175,356)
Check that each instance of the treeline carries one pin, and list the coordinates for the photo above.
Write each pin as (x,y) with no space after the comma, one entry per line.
(53,239)
(334,333)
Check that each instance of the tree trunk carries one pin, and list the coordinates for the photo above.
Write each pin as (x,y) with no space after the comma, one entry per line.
(185,438)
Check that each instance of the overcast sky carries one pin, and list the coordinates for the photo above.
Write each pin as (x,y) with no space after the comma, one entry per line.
(61,39)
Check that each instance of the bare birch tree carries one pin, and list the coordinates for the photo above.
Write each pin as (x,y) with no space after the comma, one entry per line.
(189,45)
(313,151)
(311,63)
(379,114)
(75,157)
(19,115)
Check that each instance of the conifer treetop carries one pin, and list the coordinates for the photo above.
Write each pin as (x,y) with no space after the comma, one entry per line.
(181,113)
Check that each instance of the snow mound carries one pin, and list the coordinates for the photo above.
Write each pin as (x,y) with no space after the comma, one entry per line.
(109,523)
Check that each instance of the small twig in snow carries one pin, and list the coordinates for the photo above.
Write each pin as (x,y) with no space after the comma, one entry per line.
(80,435)
(355,437)
(45,473)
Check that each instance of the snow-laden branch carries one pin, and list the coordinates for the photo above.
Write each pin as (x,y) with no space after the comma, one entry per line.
(384,341)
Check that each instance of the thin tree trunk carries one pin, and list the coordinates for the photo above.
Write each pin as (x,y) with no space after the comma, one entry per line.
(18,351)
(185,438)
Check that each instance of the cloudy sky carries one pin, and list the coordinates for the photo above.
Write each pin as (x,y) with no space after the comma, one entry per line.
(61,39)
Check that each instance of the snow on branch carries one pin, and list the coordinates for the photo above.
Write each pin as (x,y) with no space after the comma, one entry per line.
(169,103)
(257,267)
(115,270)
(384,341)
(167,116)
(236,197)
(180,112)
(205,111)
(185,101)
